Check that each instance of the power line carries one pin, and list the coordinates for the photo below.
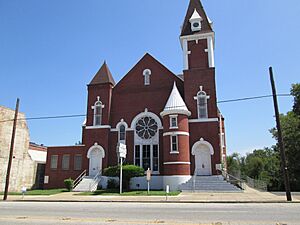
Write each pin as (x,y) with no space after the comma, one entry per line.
(84,115)
(252,98)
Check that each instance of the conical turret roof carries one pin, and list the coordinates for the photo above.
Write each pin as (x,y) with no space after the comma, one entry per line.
(175,104)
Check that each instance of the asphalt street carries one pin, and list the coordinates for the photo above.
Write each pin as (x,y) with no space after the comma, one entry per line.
(49,213)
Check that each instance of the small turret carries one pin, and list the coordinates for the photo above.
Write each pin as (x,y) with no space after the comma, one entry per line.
(176,153)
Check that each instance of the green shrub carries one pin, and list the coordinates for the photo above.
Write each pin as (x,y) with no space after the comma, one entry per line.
(69,183)
(129,171)
(112,184)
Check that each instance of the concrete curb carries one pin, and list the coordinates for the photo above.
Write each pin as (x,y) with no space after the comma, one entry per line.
(169,201)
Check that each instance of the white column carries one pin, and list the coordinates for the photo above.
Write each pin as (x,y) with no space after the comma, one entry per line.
(211,55)
(185,55)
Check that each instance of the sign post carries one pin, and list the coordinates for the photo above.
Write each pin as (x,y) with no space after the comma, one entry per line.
(148,180)
(121,152)
(167,191)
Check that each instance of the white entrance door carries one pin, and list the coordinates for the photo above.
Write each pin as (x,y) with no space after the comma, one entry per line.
(95,162)
(203,161)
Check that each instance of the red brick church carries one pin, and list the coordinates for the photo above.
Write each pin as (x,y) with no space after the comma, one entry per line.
(170,123)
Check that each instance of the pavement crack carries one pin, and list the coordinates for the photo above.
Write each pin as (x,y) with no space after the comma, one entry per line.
(21,217)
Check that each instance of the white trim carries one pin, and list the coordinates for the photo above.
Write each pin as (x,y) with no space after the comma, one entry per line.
(173,133)
(174,153)
(98,127)
(175,111)
(185,54)
(147,73)
(198,36)
(202,142)
(203,120)
(210,46)
(176,121)
(101,156)
(143,114)
(171,145)
(177,163)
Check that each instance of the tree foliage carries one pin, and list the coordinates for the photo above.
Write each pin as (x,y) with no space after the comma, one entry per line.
(264,164)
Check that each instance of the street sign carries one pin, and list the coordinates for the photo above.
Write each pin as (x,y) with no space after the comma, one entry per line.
(148,174)
(121,150)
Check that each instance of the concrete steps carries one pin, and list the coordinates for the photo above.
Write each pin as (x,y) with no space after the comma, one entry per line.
(208,184)
(87,184)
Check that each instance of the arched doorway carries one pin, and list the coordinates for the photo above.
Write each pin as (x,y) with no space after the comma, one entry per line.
(202,150)
(95,155)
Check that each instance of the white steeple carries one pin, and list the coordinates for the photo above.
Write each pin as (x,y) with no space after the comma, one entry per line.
(175,104)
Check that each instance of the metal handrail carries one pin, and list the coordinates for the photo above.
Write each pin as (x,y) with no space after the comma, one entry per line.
(256,184)
(95,179)
(233,180)
(79,178)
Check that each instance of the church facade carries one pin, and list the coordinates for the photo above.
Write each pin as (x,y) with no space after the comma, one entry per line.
(169,123)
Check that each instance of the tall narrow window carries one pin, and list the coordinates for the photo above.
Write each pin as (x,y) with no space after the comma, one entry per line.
(65,162)
(122,134)
(137,155)
(147,74)
(202,105)
(54,161)
(146,157)
(78,162)
(98,112)
(155,158)
(174,143)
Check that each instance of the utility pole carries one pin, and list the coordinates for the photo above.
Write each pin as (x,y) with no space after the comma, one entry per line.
(280,140)
(11,150)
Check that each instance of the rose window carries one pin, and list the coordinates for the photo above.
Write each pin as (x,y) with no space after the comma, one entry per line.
(146,127)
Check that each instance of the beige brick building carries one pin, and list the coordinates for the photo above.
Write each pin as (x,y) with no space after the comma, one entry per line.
(24,164)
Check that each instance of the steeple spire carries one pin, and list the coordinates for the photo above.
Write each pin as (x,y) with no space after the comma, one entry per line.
(195,9)
(103,76)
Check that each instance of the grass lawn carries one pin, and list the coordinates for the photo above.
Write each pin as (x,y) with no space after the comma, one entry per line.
(39,192)
(130,193)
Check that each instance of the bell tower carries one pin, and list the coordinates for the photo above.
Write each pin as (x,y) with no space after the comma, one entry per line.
(197,41)
(197,38)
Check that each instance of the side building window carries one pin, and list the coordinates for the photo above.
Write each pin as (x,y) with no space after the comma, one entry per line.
(98,106)
(65,165)
(78,162)
(202,105)
(54,161)
(147,74)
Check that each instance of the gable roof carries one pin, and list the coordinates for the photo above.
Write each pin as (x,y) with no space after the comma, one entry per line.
(206,24)
(103,76)
(146,59)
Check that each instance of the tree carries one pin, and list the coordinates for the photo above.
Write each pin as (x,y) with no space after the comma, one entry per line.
(290,125)
(234,164)
(295,91)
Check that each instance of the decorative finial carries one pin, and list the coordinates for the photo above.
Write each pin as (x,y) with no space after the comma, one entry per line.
(98,98)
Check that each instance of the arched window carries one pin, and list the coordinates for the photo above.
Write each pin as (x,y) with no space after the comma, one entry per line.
(122,134)
(147,74)
(98,112)
(202,105)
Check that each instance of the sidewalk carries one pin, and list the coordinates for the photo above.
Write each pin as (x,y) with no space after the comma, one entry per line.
(248,196)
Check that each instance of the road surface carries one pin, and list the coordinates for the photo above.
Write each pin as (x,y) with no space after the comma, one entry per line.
(49,213)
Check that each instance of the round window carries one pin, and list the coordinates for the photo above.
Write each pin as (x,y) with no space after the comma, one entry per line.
(196,24)
(146,127)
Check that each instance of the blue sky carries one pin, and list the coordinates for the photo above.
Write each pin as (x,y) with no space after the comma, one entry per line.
(50,50)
